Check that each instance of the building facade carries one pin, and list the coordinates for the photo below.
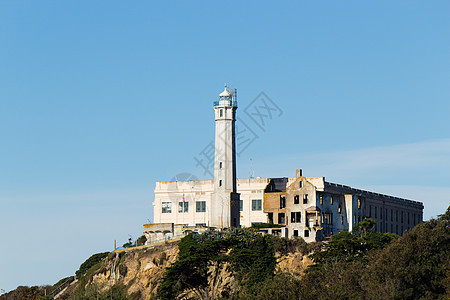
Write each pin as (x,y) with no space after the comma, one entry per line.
(309,207)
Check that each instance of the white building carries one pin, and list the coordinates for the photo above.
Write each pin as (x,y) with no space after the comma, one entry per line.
(308,207)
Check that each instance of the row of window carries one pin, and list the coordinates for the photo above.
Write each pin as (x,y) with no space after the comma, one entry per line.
(411,218)
(200,206)
(183,207)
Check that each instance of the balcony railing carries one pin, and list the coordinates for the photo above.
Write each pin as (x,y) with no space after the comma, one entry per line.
(232,103)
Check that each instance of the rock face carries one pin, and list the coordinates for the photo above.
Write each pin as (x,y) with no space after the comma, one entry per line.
(138,272)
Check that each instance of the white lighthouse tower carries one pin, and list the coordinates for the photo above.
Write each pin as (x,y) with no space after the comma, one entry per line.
(224,208)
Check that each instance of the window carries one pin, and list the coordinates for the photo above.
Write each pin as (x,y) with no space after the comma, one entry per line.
(270,217)
(241,205)
(200,224)
(381,213)
(296,217)
(370,211)
(386,214)
(166,207)
(281,218)
(339,209)
(256,204)
(221,113)
(392,228)
(342,219)
(200,206)
(282,201)
(331,200)
(402,220)
(296,199)
(295,232)
(321,199)
(354,219)
(396,219)
(300,184)
(392,216)
(359,203)
(220,165)
(306,233)
(183,207)
(376,212)
(305,198)
(220,182)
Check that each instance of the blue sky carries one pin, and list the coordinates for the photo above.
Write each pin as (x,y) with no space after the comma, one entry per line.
(100,100)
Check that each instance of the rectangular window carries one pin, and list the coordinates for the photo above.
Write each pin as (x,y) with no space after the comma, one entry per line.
(220,182)
(295,232)
(392,228)
(270,217)
(402,219)
(300,183)
(282,201)
(376,212)
(256,204)
(392,215)
(370,211)
(296,199)
(339,209)
(200,206)
(296,217)
(331,199)
(359,203)
(306,233)
(241,205)
(220,165)
(386,214)
(321,199)
(221,113)
(381,213)
(342,219)
(183,207)
(166,207)
(281,218)
(396,219)
(200,225)
(305,198)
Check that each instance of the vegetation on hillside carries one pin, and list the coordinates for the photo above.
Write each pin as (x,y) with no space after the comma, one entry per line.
(240,264)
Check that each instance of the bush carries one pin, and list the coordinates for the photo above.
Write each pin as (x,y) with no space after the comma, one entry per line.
(90,262)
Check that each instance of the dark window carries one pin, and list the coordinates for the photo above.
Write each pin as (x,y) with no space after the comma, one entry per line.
(408,218)
(166,207)
(270,217)
(220,182)
(402,221)
(396,219)
(256,204)
(392,215)
(281,218)
(241,205)
(381,213)
(321,199)
(292,217)
(376,212)
(200,206)
(282,201)
(305,198)
(220,165)
(296,217)
(370,211)
(296,199)
(183,207)
(392,228)
(221,113)
(386,215)
(300,183)
(295,232)
(306,233)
